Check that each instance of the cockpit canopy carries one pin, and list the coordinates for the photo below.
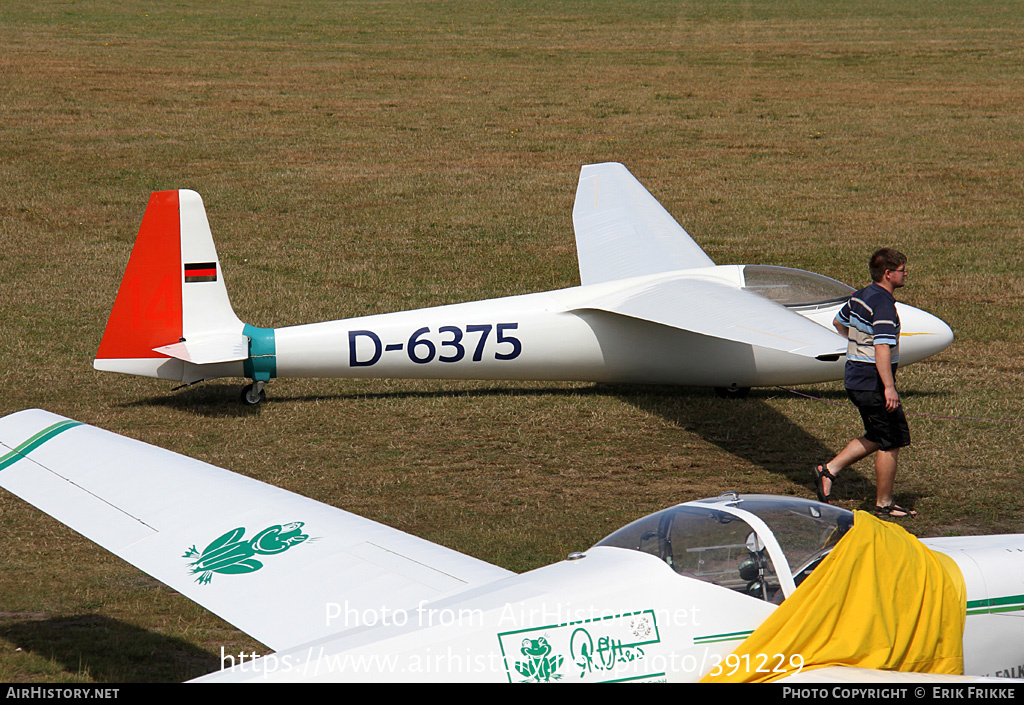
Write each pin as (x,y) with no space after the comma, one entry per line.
(793,288)
(717,541)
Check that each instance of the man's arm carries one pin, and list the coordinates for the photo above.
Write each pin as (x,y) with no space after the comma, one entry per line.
(883,363)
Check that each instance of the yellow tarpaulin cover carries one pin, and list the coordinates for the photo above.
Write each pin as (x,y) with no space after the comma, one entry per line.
(881,599)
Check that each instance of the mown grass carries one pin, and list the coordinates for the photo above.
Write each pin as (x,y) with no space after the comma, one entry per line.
(361,157)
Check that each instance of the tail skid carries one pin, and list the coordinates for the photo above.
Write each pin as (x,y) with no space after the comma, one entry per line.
(172,318)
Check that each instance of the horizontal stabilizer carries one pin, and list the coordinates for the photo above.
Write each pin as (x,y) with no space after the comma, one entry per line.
(281,567)
(712,308)
(622,231)
(203,350)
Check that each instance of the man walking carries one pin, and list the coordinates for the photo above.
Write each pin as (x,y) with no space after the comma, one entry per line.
(870,322)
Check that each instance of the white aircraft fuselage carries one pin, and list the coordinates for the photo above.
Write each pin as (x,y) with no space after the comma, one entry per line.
(617,615)
(673,317)
(535,337)
(540,337)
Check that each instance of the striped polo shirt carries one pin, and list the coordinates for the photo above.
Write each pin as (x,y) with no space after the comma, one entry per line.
(871,316)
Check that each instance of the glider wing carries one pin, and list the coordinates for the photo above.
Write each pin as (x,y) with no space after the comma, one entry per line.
(622,231)
(281,567)
(715,309)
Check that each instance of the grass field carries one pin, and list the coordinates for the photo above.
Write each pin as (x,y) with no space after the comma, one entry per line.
(362,157)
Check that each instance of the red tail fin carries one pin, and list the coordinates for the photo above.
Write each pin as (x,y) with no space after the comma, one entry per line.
(147,312)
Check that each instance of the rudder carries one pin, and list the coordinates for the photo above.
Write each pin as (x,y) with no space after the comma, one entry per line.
(172,306)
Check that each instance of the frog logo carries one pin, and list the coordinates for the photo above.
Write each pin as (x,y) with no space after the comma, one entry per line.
(540,666)
(230,555)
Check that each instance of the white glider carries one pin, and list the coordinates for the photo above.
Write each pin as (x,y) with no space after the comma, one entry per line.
(339,597)
(652,308)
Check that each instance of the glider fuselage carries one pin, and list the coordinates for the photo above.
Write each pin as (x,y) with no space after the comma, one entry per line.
(545,336)
(618,614)
(652,308)
(551,336)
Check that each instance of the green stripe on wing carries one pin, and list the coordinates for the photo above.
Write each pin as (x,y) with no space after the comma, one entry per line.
(35,441)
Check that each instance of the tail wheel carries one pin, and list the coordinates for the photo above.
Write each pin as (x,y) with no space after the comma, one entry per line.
(254,394)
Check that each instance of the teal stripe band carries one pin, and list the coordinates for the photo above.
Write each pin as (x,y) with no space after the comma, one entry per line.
(35,441)
(261,365)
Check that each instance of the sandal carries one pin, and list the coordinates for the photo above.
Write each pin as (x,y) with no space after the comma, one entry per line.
(888,512)
(821,471)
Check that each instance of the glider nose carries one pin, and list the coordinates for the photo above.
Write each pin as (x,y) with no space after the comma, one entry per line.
(922,334)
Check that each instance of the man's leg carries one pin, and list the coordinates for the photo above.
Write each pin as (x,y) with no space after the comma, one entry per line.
(885,475)
(885,478)
(857,449)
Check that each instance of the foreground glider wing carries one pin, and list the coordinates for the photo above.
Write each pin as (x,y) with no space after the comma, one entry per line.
(715,309)
(281,567)
(622,231)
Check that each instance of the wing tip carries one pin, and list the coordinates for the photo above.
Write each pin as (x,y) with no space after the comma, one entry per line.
(586,169)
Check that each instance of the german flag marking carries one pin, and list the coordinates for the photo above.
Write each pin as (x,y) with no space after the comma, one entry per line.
(201,272)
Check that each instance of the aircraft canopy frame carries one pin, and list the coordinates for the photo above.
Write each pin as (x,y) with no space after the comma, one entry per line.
(759,545)
(794,288)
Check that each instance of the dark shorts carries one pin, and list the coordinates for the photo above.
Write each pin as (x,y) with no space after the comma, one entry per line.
(888,429)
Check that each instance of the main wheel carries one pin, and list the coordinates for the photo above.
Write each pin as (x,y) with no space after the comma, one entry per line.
(251,396)
(732,392)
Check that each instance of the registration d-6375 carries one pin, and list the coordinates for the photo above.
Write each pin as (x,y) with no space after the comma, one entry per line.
(449,344)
